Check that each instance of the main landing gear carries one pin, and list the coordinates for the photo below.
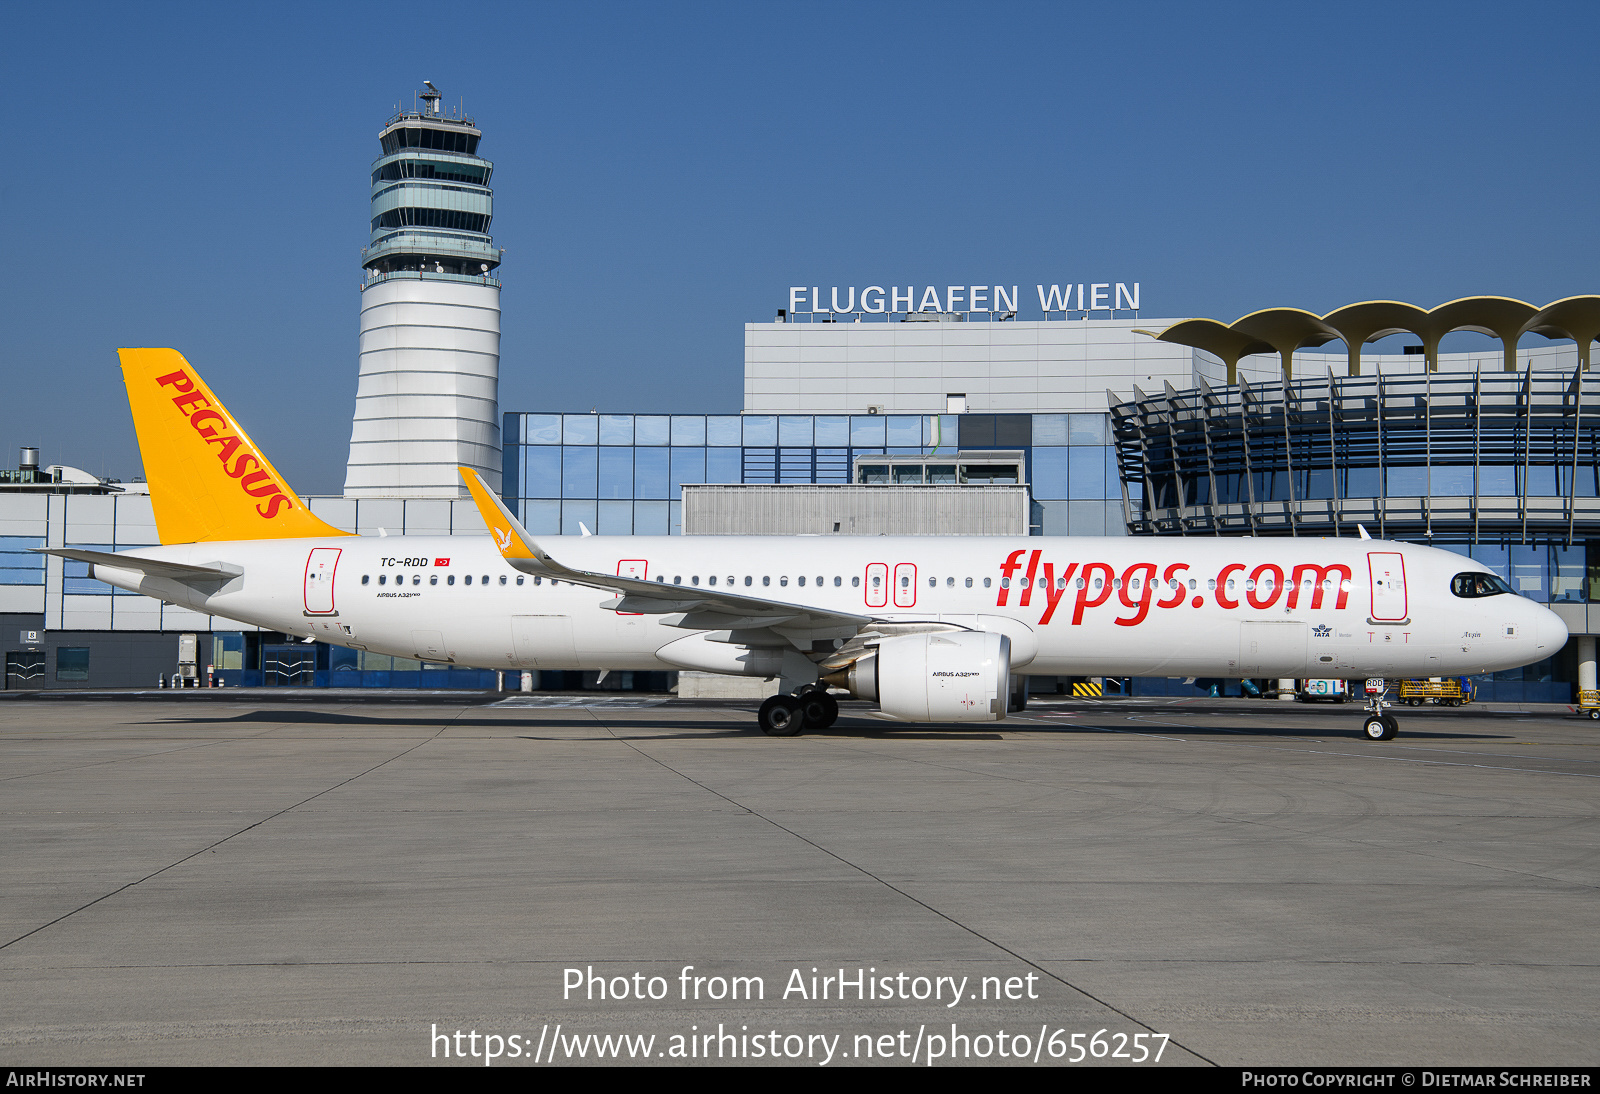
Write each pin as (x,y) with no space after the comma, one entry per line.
(1378,725)
(789,715)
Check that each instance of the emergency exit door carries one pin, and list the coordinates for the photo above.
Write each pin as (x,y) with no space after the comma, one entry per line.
(1387,570)
(320,566)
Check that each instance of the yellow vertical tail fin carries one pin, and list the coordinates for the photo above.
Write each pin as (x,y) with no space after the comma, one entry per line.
(208,480)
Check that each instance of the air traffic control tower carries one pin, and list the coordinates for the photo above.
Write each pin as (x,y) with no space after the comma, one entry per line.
(427,399)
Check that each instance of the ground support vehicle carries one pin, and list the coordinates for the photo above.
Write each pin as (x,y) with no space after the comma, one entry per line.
(1448,693)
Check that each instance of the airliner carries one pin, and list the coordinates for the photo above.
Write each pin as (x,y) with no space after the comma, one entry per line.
(929,628)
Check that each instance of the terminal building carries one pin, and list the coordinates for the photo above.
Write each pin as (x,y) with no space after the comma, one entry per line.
(902,409)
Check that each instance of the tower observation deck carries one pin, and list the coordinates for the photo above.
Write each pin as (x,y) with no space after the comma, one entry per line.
(427,400)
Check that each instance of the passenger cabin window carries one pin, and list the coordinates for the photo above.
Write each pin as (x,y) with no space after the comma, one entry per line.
(1472,586)
(451,580)
(365,578)
(433,579)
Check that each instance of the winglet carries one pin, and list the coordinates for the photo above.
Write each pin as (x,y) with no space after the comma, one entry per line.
(509,535)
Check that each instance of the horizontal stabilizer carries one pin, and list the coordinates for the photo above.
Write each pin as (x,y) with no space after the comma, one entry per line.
(152,567)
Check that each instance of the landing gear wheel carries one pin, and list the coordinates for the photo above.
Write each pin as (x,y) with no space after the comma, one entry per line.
(818,709)
(781,716)
(1380,727)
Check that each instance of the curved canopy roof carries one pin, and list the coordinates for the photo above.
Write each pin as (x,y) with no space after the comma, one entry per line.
(1284,330)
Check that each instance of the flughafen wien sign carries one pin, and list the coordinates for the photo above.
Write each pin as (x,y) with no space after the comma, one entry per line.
(877,300)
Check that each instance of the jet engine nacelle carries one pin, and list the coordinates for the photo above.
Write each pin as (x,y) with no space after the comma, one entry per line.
(954,676)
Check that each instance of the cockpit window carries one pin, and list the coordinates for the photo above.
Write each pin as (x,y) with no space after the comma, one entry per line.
(1476,585)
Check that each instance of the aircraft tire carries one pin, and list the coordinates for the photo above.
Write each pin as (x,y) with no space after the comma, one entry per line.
(781,716)
(819,709)
(1380,727)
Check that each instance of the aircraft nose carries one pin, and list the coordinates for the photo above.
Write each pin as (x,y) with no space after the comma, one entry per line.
(1551,632)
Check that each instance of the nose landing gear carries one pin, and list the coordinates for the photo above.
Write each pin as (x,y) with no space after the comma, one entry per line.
(1378,725)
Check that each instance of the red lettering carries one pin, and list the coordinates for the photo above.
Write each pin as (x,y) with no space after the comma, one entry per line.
(258,484)
(274,503)
(1088,586)
(1222,585)
(1146,572)
(206,416)
(1277,586)
(238,467)
(1053,595)
(179,380)
(1319,574)
(1027,582)
(1007,568)
(1177,594)
(190,400)
(229,446)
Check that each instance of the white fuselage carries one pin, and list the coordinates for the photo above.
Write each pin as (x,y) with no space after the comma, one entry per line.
(1093,607)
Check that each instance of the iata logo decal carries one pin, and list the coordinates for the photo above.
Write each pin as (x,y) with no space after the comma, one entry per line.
(1321,630)
(1137,587)
(215,428)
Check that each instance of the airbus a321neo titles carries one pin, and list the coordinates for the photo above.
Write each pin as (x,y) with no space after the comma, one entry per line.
(931,629)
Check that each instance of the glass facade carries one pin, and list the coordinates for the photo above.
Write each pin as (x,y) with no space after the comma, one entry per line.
(623,474)
(18,564)
(1446,457)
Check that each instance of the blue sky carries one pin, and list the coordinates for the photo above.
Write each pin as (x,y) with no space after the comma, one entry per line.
(197,176)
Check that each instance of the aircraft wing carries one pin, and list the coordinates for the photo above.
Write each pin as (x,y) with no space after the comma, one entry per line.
(704,608)
(150,566)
